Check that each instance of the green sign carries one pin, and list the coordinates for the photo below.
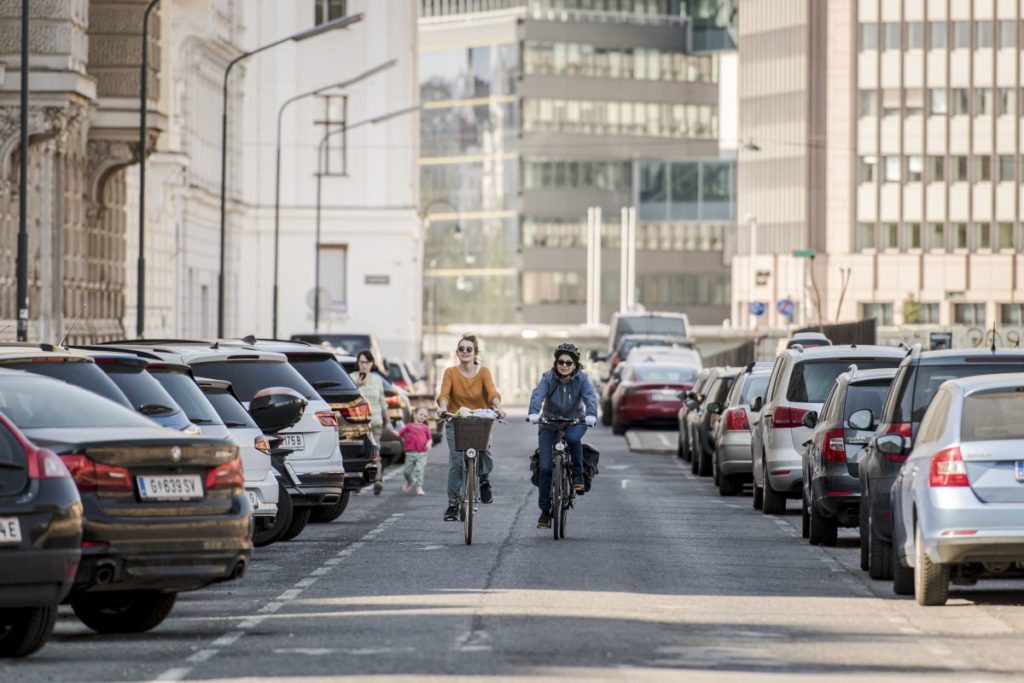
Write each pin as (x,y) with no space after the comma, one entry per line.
(803,253)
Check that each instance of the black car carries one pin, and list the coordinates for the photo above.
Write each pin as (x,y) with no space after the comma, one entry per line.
(165,512)
(918,378)
(842,428)
(40,540)
(74,368)
(691,400)
(702,418)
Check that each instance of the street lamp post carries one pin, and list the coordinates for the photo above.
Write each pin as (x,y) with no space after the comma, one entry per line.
(140,286)
(21,295)
(424,214)
(340,22)
(277,163)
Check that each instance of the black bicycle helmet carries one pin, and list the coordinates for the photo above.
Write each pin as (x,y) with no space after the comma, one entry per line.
(569,349)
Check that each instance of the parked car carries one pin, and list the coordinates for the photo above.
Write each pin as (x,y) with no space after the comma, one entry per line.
(671,324)
(665,354)
(918,379)
(347,344)
(605,395)
(799,383)
(731,461)
(808,340)
(55,361)
(403,376)
(958,500)
(631,341)
(40,539)
(650,393)
(165,512)
(264,491)
(702,419)
(692,397)
(841,429)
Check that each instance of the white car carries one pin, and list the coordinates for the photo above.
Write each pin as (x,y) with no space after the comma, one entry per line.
(666,354)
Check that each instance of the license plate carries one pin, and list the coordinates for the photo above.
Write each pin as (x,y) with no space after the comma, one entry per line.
(296,442)
(666,396)
(253,501)
(170,487)
(10,530)
(1019,470)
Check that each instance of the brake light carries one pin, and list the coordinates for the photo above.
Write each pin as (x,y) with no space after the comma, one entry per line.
(262,444)
(44,464)
(226,476)
(328,419)
(787,418)
(835,447)
(96,476)
(401,383)
(736,420)
(394,401)
(357,411)
(947,469)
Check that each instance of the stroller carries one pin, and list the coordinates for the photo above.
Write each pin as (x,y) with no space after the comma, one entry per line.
(591,457)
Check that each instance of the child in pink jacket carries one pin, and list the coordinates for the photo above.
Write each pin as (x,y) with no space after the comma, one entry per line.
(417,440)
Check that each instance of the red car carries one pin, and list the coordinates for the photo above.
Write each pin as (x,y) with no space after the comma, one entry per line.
(650,392)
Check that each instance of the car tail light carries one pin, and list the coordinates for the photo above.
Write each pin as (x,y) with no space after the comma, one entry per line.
(394,401)
(401,384)
(835,446)
(96,476)
(736,420)
(357,411)
(904,429)
(615,361)
(785,417)
(226,476)
(328,419)
(44,464)
(947,469)
(262,444)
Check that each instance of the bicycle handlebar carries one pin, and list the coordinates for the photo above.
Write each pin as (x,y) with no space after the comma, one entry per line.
(567,421)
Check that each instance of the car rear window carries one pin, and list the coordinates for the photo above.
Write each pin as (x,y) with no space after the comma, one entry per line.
(812,379)
(992,415)
(395,373)
(652,324)
(665,373)
(82,374)
(866,396)
(350,343)
(929,378)
(34,404)
(754,386)
(187,394)
(229,409)
(249,376)
(322,372)
(13,470)
(145,393)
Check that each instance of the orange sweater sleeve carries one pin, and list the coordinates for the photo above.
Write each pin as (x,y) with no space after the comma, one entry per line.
(490,390)
(446,387)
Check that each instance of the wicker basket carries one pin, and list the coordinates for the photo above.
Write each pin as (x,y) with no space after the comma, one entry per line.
(472,432)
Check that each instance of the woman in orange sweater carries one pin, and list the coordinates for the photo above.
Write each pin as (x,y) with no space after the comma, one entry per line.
(467,385)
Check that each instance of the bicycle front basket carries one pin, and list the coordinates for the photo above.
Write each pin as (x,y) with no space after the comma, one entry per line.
(472,432)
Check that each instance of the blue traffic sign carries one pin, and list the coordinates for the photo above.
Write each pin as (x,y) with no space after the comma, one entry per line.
(786,307)
(757,308)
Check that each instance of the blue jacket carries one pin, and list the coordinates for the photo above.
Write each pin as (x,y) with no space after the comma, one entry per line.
(564,399)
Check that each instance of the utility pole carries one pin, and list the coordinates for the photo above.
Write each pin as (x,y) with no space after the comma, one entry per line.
(21,303)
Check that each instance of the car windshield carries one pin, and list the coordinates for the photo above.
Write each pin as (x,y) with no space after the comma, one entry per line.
(230,410)
(652,324)
(992,415)
(34,404)
(142,389)
(665,373)
(930,378)
(249,376)
(754,386)
(323,372)
(80,373)
(187,394)
(812,379)
(866,396)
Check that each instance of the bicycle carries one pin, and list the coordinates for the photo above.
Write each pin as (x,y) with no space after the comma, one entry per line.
(562,491)
(472,435)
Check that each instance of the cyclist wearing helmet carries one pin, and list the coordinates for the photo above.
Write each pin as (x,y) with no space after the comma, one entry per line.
(564,391)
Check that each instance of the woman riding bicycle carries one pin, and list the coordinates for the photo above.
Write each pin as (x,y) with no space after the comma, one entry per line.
(467,385)
(563,392)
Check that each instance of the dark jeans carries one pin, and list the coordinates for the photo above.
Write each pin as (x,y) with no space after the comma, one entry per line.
(455,462)
(547,437)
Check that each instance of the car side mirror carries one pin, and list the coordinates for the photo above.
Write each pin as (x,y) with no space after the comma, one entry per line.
(810,420)
(891,444)
(715,408)
(692,404)
(275,410)
(862,419)
(757,404)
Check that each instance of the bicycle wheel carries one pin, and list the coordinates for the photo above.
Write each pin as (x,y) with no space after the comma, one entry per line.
(469,499)
(556,496)
(563,513)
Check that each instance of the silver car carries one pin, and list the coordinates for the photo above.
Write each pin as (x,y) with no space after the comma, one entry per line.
(732,432)
(958,500)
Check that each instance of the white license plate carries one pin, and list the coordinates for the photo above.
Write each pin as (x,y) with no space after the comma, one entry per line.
(1019,470)
(253,501)
(296,442)
(170,487)
(10,530)
(666,396)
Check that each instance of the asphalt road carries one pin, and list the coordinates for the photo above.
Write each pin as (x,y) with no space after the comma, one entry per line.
(659,578)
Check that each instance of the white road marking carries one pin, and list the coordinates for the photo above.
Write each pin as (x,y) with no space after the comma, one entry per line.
(271,607)
(625,482)
(305,583)
(201,656)
(663,439)
(176,674)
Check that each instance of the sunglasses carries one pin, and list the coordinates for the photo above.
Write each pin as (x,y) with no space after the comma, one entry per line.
(466,349)
(565,363)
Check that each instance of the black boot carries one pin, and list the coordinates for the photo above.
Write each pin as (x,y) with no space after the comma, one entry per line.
(544,522)
(485,491)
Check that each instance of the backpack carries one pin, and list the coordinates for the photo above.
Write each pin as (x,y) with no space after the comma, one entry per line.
(591,458)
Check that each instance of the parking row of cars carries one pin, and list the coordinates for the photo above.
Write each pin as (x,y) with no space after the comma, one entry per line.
(921,451)
(132,471)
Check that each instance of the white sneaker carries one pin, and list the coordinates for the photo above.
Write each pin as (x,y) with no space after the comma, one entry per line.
(419,491)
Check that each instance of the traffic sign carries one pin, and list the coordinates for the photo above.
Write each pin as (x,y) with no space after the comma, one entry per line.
(804,253)
(786,307)
(757,308)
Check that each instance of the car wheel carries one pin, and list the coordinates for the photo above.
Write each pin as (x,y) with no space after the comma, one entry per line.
(774,503)
(880,565)
(300,518)
(125,612)
(23,630)
(805,519)
(703,462)
(266,531)
(758,497)
(606,415)
(618,430)
(822,530)
(862,528)
(715,476)
(322,515)
(680,453)
(931,581)
(902,577)
(728,486)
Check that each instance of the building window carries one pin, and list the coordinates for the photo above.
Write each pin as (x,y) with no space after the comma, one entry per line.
(869,36)
(961,102)
(1006,163)
(880,312)
(969,314)
(891,101)
(937,35)
(982,169)
(936,169)
(892,169)
(913,101)
(915,35)
(982,101)
(890,236)
(604,117)
(1011,314)
(868,166)
(983,34)
(1005,236)
(961,35)
(865,236)
(892,35)
(937,102)
(1006,103)
(915,169)
(958,172)
(983,236)
(937,236)
(869,103)
(333,278)
(1007,35)
(928,314)
(913,235)
(959,235)
(328,10)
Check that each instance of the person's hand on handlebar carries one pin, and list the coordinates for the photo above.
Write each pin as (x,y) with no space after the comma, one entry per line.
(534,418)
(591,420)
